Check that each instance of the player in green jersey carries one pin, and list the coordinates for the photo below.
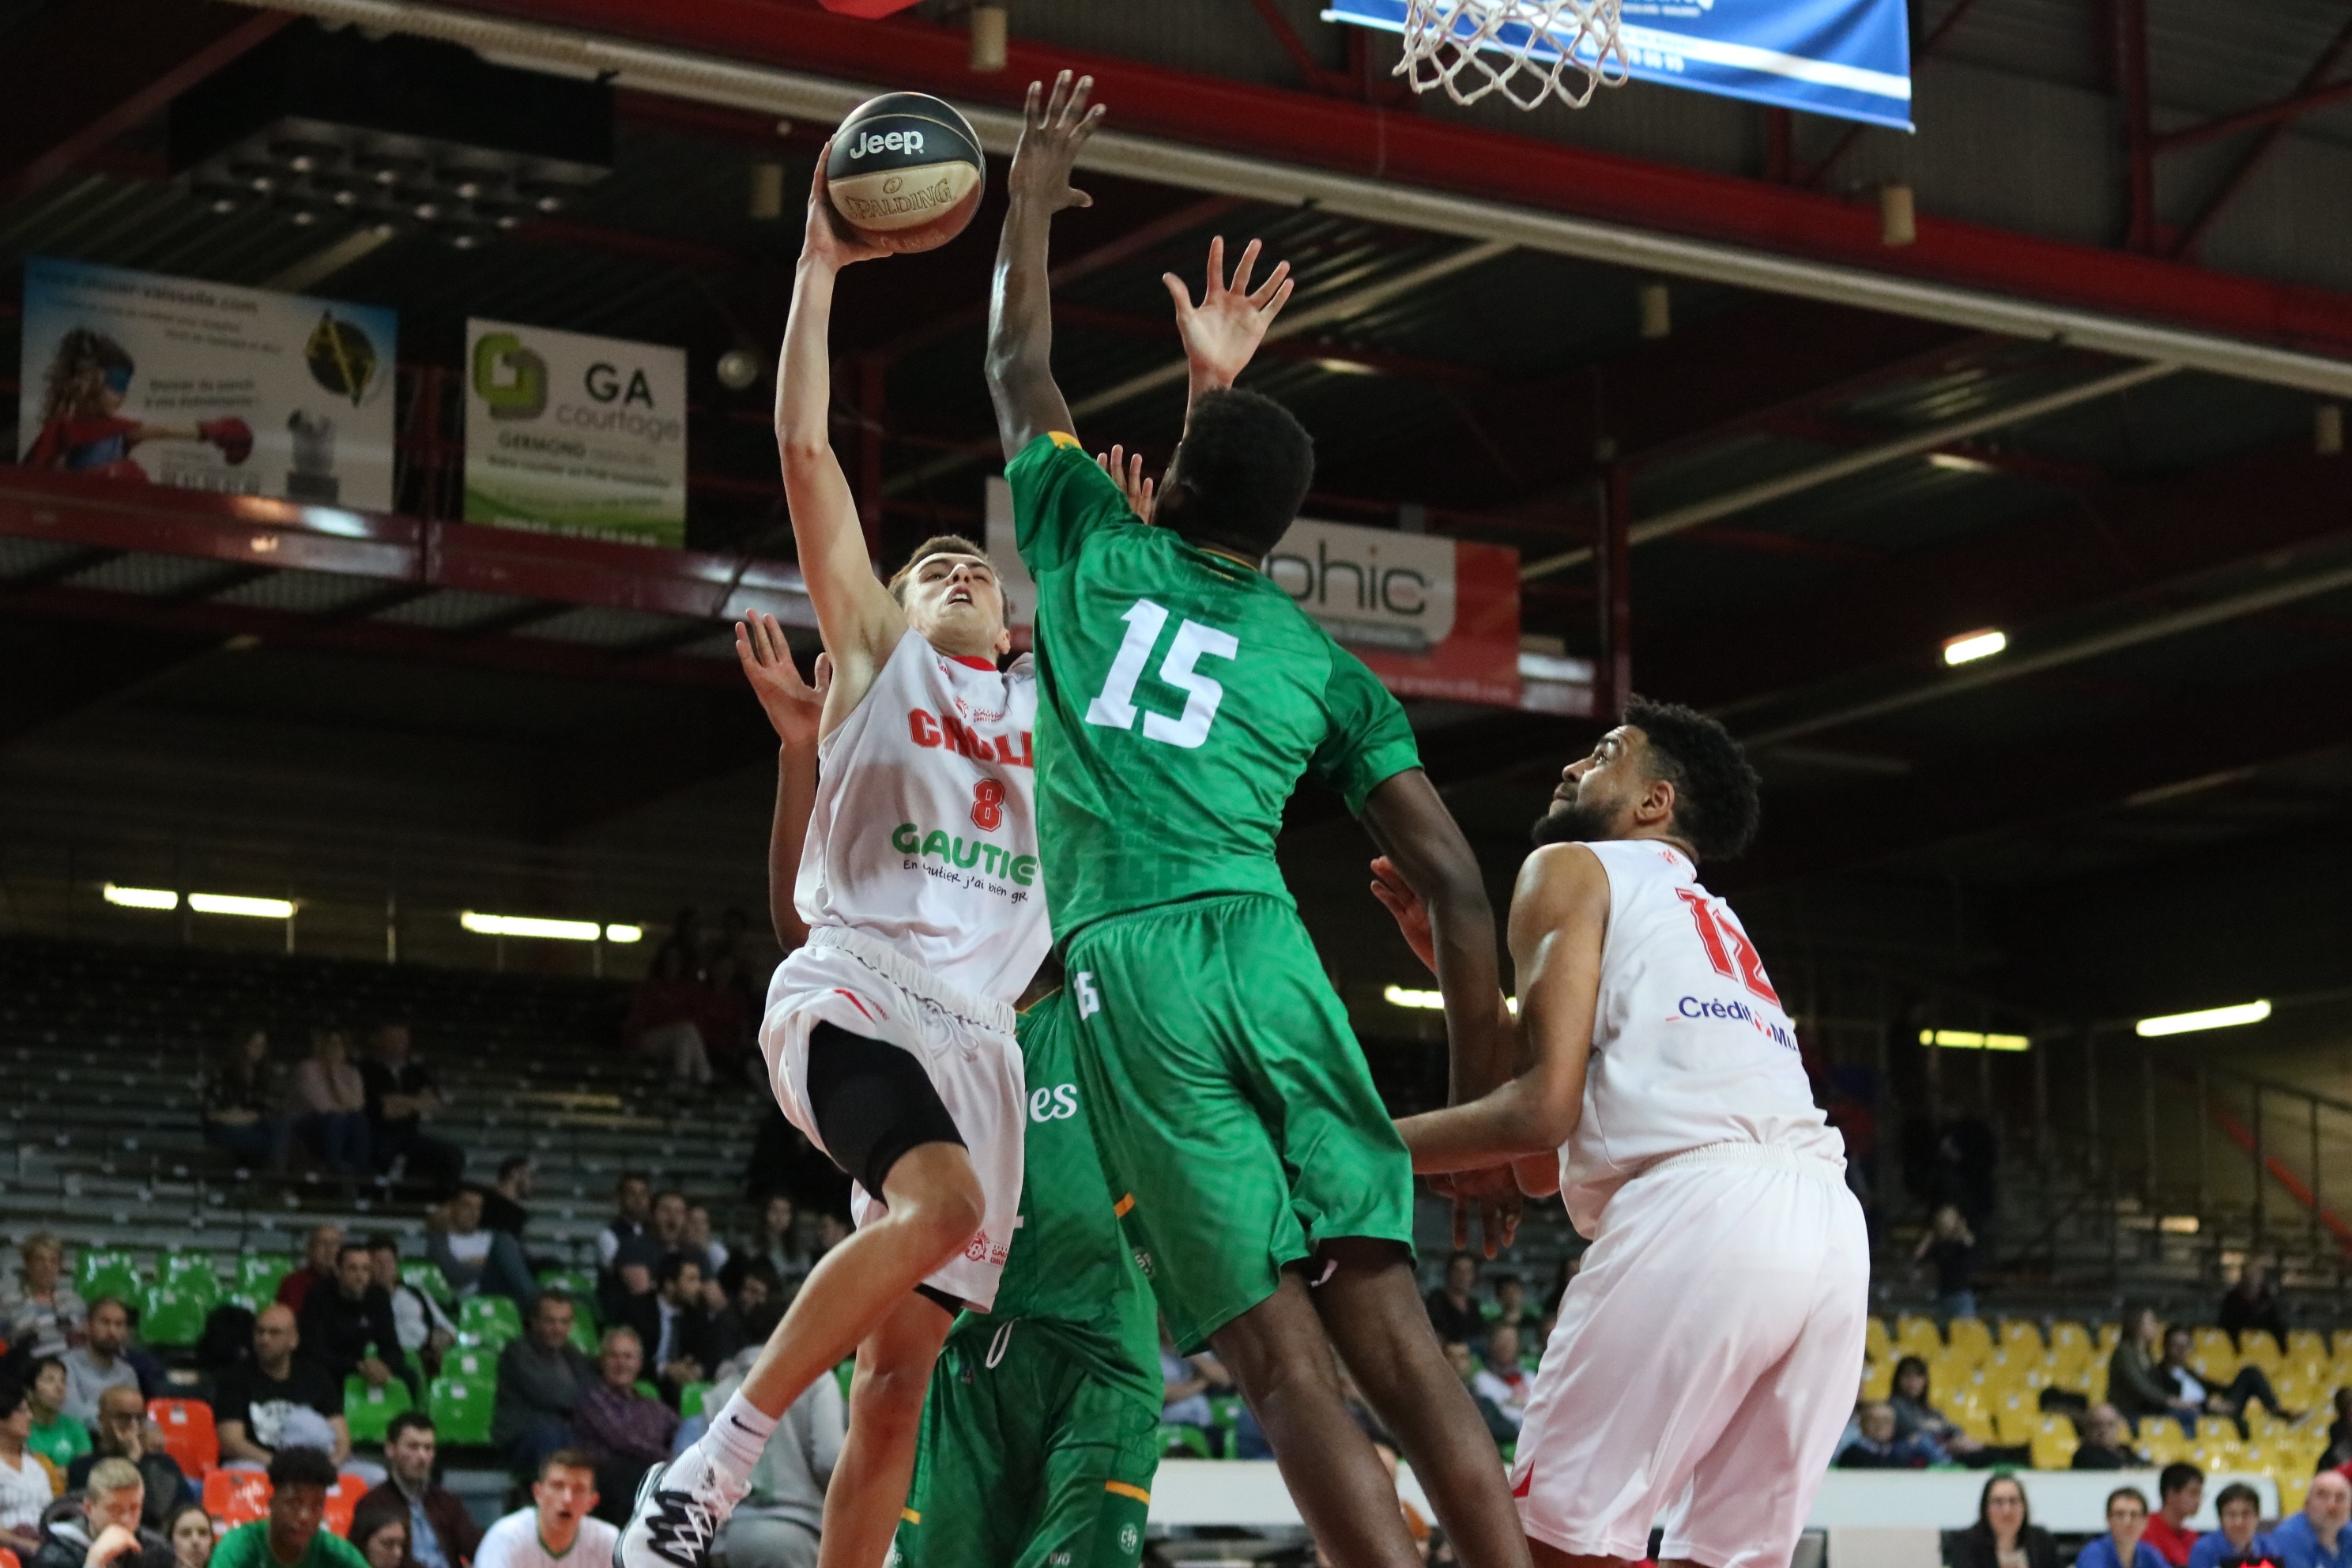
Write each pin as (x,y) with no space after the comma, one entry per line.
(1181,696)
(1041,1432)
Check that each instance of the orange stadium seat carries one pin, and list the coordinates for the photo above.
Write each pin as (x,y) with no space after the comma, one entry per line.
(236,1497)
(188,1435)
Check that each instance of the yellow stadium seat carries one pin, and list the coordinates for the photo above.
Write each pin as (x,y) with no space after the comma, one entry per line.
(2291,1489)
(1877,1379)
(2094,1382)
(1916,1335)
(2165,1448)
(1977,1422)
(1970,1337)
(2260,1350)
(2306,1344)
(2019,1335)
(2053,1450)
(2216,1429)
(2017,1423)
(2066,1334)
(2109,1336)
(2155,1426)
(1877,1344)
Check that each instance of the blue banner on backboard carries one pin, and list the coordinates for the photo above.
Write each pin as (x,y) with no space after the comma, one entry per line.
(1851,58)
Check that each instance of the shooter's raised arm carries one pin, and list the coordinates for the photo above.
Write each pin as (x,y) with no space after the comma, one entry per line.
(1020,308)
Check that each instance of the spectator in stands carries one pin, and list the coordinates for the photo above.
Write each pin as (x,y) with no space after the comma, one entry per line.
(1952,1247)
(27,1481)
(1510,1304)
(622,1430)
(760,1302)
(1503,1380)
(633,1197)
(109,1533)
(441,1530)
(776,1524)
(278,1401)
(698,1244)
(2121,1546)
(189,1532)
(774,1240)
(2003,1536)
(240,1106)
(2316,1537)
(53,1435)
(2252,1303)
(1916,1415)
(97,1363)
(1454,1305)
(348,1329)
(473,1258)
(39,1312)
(2194,1397)
(319,1250)
(292,1537)
(668,1229)
(1189,1380)
(2103,1447)
(333,1101)
(2136,1384)
(2179,1493)
(543,1535)
(381,1533)
(665,1023)
(2339,1433)
(1879,1448)
(400,1093)
(422,1330)
(541,1379)
(125,1434)
(729,1018)
(503,1204)
(2240,1509)
(688,1338)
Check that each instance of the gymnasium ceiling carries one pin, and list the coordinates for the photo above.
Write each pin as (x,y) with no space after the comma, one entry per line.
(2171,561)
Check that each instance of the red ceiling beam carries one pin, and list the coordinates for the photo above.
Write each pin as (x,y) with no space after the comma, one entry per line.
(2279,113)
(2185,241)
(1362,138)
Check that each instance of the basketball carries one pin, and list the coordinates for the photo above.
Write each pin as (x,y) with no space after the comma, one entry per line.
(906,171)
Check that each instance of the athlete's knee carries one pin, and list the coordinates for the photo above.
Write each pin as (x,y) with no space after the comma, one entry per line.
(888,1396)
(934,1191)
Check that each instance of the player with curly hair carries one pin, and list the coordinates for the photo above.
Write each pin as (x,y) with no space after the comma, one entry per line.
(82,428)
(1704,1356)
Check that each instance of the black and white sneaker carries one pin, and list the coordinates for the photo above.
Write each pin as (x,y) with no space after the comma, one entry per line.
(679,1508)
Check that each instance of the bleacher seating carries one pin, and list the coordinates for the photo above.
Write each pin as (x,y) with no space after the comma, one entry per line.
(188,1435)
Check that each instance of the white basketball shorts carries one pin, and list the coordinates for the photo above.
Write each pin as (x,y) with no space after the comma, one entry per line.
(1704,1362)
(965,1044)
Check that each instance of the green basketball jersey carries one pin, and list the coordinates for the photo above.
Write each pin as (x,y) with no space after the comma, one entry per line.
(1180,695)
(1070,1263)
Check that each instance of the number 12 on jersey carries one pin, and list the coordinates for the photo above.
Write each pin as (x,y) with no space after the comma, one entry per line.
(1114,706)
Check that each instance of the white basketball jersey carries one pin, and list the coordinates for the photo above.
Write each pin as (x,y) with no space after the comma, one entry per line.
(925,829)
(1690,1045)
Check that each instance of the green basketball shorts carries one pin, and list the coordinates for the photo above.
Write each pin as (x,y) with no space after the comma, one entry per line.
(1028,1460)
(1231,1103)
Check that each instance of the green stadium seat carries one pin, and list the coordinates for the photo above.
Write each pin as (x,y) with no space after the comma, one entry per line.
(646,1390)
(172,1318)
(489,1321)
(460,1409)
(1224,1410)
(575,1283)
(190,1273)
(369,1410)
(690,1397)
(473,1365)
(427,1277)
(1177,1441)
(106,1271)
(845,1375)
(258,1275)
(584,1335)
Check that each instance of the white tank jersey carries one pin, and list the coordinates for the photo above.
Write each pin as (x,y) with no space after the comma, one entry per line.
(924,833)
(1690,1045)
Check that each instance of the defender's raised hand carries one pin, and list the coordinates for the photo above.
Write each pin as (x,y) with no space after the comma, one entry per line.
(1126,471)
(1053,128)
(1225,327)
(792,704)
(1411,915)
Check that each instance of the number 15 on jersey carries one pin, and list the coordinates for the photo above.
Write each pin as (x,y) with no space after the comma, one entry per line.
(1114,706)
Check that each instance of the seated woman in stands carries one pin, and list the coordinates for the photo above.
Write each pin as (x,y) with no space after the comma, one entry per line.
(1917,1416)
(2004,1535)
(240,1112)
(335,1105)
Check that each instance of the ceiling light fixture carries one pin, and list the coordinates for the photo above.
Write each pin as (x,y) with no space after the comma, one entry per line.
(1973,1040)
(624,933)
(236,904)
(1970,646)
(528,925)
(142,897)
(2210,1018)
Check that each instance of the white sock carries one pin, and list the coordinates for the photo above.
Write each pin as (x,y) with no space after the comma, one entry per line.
(738,1434)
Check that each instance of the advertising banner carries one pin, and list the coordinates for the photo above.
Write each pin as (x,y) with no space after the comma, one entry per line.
(174,381)
(1851,58)
(1433,617)
(573,434)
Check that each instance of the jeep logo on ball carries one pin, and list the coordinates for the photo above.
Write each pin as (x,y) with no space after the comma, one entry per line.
(891,141)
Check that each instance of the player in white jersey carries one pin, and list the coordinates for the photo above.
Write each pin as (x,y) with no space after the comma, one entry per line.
(556,1530)
(1706,1355)
(888,1036)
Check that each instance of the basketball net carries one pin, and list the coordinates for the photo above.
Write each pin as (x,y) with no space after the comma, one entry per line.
(1529,50)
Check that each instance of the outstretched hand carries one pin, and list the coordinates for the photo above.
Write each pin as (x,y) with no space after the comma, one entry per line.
(1225,327)
(1126,471)
(1411,915)
(793,705)
(828,240)
(1493,1195)
(1052,132)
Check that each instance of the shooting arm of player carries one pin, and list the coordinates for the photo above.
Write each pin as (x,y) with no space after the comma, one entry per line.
(1222,332)
(1559,913)
(861,623)
(794,707)
(1019,306)
(1425,847)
